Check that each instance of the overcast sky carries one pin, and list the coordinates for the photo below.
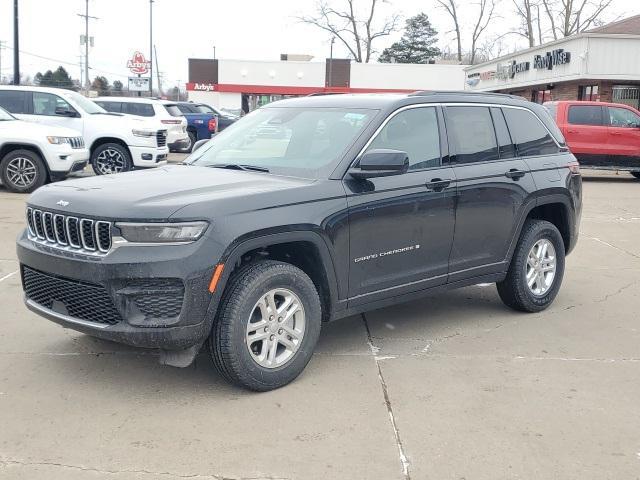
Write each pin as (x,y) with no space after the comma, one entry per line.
(240,29)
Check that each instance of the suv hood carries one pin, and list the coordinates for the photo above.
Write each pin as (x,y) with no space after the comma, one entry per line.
(31,130)
(158,193)
(120,120)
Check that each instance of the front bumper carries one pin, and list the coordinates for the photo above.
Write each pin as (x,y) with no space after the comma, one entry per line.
(136,283)
(63,159)
(149,156)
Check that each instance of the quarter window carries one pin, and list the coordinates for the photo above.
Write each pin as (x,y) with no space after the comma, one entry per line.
(621,117)
(13,101)
(139,109)
(110,106)
(530,136)
(46,103)
(414,131)
(585,115)
(471,134)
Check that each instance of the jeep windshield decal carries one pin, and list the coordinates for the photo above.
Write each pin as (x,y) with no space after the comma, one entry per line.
(287,141)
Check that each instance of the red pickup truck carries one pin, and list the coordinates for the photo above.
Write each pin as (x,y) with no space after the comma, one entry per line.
(601,135)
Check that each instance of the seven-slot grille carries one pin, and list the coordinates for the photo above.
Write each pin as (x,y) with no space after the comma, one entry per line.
(76,142)
(161,137)
(65,231)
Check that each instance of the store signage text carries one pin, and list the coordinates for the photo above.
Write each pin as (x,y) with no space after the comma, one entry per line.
(204,87)
(509,70)
(138,64)
(555,57)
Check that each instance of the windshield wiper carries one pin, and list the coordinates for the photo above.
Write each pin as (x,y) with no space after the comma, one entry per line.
(237,166)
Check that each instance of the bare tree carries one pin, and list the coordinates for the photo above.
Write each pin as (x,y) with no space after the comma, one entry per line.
(356,33)
(452,9)
(568,17)
(485,14)
(524,10)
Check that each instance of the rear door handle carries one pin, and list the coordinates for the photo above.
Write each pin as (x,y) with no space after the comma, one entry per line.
(515,174)
(438,184)
(572,131)
(615,133)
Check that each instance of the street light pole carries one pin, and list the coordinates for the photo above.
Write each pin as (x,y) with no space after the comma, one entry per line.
(16,45)
(150,48)
(329,81)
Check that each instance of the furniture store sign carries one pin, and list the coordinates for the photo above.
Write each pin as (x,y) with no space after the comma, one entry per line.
(551,59)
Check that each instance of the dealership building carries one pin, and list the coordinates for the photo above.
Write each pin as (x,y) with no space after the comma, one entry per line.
(248,84)
(602,64)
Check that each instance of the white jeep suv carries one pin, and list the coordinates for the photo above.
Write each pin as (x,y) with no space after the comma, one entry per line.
(117,142)
(31,155)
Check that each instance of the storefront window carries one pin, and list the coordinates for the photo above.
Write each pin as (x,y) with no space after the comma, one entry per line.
(541,96)
(588,92)
(627,94)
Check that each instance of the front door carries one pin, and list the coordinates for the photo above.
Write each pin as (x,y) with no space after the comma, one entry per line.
(401,227)
(44,107)
(624,137)
(587,134)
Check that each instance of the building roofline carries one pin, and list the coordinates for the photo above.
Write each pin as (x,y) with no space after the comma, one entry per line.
(553,43)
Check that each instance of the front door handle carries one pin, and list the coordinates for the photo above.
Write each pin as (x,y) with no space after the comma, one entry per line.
(515,174)
(438,184)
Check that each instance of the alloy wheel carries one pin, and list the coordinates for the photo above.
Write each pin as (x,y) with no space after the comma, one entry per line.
(275,328)
(541,267)
(110,161)
(22,172)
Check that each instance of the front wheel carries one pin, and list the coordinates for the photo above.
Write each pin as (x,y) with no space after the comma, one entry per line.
(536,269)
(22,171)
(267,326)
(635,174)
(111,158)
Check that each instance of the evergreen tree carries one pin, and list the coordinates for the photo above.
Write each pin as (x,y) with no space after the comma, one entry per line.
(60,79)
(117,86)
(417,44)
(101,85)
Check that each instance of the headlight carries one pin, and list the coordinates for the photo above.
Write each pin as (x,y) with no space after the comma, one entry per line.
(58,140)
(143,133)
(162,232)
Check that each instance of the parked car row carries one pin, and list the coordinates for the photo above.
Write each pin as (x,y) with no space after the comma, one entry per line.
(113,134)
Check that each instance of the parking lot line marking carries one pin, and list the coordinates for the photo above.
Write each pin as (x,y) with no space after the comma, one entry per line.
(9,275)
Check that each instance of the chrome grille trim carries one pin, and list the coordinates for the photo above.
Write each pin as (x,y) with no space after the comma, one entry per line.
(69,233)
(161,138)
(90,238)
(76,142)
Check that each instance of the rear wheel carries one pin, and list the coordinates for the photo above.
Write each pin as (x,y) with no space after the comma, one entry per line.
(192,140)
(267,326)
(537,267)
(111,158)
(22,171)
(636,174)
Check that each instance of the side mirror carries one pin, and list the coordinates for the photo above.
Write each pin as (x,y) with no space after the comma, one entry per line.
(198,144)
(381,162)
(65,112)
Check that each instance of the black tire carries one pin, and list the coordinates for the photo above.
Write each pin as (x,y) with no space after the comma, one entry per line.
(26,162)
(227,342)
(193,138)
(118,159)
(513,290)
(635,174)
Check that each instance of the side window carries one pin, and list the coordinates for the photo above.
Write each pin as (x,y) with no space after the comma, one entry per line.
(505,144)
(46,103)
(585,115)
(529,134)
(139,109)
(186,109)
(414,131)
(621,117)
(13,101)
(110,106)
(471,134)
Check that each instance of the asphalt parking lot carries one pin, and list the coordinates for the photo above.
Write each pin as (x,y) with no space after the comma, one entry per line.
(454,386)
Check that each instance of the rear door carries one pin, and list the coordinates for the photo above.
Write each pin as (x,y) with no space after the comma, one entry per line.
(401,226)
(624,137)
(587,134)
(15,102)
(493,183)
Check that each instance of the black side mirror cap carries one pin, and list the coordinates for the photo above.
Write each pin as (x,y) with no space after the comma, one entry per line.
(381,162)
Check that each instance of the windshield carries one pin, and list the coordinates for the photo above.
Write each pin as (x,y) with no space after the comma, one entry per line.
(84,103)
(4,115)
(286,141)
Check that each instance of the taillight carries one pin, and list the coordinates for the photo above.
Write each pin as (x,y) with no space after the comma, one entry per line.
(213,125)
(171,122)
(574,167)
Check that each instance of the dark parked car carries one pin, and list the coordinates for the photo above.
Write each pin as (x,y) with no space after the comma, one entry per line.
(200,124)
(254,242)
(224,119)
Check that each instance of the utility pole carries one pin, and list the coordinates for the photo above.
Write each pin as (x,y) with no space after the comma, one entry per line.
(214,52)
(2,43)
(158,71)
(86,17)
(151,48)
(80,63)
(16,45)
(329,81)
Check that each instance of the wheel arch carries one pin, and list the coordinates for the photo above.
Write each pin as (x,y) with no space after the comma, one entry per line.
(9,147)
(102,140)
(306,250)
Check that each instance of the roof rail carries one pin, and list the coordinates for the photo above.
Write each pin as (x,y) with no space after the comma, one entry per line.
(426,93)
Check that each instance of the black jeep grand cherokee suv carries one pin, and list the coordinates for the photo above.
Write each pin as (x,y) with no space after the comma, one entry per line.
(305,211)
